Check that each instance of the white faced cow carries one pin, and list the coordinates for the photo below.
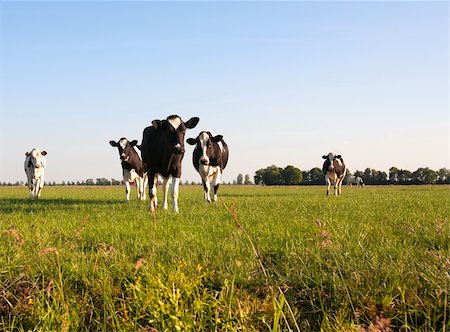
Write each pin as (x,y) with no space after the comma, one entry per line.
(334,170)
(162,153)
(34,168)
(132,167)
(210,157)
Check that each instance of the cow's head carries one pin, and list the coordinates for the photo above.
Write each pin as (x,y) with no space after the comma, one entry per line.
(204,142)
(329,164)
(176,129)
(125,148)
(36,159)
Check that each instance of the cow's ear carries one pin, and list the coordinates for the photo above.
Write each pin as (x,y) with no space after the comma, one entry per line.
(44,153)
(27,154)
(338,156)
(217,138)
(324,157)
(133,142)
(192,122)
(157,124)
(113,143)
(139,147)
(191,141)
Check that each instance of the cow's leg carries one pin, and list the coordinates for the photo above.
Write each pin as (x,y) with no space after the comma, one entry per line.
(127,190)
(340,186)
(166,184)
(336,187)
(31,187)
(144,184)
(328,182)
(207,188)
(36,189)
(39,186)
(152,181)
(216,183)
(175,187)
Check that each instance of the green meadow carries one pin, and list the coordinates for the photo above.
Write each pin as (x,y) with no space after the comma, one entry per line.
(260,259)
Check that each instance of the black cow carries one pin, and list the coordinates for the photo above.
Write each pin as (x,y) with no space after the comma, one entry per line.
(132,167)
(210,157)
(162,152)
(334,170)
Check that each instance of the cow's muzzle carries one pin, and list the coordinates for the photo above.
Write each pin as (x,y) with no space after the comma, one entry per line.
(204,161)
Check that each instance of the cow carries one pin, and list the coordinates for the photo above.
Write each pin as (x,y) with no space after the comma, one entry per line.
(210,157)
(334,170)
(162,152)
(132,167)
(34,168)
(355,180)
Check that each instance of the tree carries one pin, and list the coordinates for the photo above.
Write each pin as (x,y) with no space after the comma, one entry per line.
(291,175)
(258,178)
(272,176)
(247,180)
(443,175)
(424,176)
(240,179)
(394,174)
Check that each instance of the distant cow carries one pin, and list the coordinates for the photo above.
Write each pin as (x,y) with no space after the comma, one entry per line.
(334,170)
(210,157)
(162,152)
(132,167)
(34,168)
(355,180)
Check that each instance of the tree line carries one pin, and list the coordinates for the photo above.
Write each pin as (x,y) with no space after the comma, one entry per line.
(291,175)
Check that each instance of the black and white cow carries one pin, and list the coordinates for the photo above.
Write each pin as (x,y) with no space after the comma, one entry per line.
(334,170)
(162,152)
(34,168)
(210,157)
(132,167)
(355,180)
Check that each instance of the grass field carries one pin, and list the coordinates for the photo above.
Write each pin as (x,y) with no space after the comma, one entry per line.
(263,258)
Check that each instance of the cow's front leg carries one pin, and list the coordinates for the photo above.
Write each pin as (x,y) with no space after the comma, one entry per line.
(328,182)
(340,187)
(166,184)
(127,191)
(39,186)
(144,184)
(175,187)
(216,184)
(153,180)
(207,189)
(31,188)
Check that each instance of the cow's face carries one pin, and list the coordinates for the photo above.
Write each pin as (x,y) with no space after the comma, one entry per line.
(36,159)
(176,129)
(329,160)
(204,142)
(124,147)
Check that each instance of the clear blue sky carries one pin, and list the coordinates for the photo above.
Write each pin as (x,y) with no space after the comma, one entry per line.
(283,82)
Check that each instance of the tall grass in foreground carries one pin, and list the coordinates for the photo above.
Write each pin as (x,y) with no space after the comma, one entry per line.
(275,258)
